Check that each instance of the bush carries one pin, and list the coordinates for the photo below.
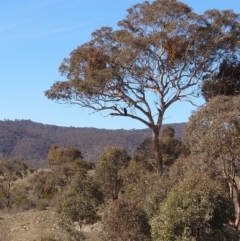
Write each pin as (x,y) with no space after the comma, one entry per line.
(124,220)
(78,205)
(60,155)
(196,209)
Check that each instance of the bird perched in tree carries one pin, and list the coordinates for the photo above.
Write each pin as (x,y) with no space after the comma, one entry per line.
(125,111)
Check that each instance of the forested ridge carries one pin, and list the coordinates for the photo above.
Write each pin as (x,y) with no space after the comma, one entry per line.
(31,141)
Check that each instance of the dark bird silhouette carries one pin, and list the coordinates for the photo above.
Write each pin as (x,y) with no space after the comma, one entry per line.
(159,111)
(125,111)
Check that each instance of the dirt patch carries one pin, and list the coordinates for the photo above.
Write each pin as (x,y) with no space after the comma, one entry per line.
(32,225)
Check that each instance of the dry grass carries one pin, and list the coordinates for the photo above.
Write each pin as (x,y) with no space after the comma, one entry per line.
(4,233)
(33,225)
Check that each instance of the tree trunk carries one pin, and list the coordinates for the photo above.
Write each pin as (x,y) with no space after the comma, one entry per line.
(230,190)
(198,235)
(157,151)
(237,212)
(115,191)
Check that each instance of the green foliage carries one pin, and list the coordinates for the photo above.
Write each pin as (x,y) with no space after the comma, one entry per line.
(170,149)
(79,204)
(214,128)
(141,182)
(155,195)
(80,163)
(60,155)
(42,183)
(21,201)
(10,171)
(225,82)
(195,209)
(145,155)
(108,171)
(194,163)
(168,131)
(213,134)
(124,220)
(143,186)
(47,184)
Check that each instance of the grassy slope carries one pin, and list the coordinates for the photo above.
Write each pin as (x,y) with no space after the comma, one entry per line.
(33,224)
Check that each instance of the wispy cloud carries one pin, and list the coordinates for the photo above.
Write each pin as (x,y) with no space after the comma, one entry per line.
(35,19)
(7,26)
(66,29)
(23,32)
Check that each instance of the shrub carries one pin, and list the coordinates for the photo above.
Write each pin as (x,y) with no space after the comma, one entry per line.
(196,209)
(124,220)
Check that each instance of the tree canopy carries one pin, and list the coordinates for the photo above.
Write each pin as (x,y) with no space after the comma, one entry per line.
(125,220)
(213,134)
(108,171)
(170,148)
(158,55)
(10,171)
(59,155)
(225,82)
(79,204)
(195,209)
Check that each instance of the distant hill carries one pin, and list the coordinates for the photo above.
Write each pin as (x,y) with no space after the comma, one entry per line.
(31,140)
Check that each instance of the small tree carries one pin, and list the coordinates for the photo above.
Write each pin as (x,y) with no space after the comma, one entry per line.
(59,155)
(170,148)
(140,182)
(196,209)
(79,205)
(108,171)
(124,220)
(213,132)
(160,52)
(10,171)
(46,183)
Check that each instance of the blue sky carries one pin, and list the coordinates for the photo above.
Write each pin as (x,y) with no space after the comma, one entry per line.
(35,36)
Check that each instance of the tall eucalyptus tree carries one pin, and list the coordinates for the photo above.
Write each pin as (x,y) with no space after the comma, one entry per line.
(158,56)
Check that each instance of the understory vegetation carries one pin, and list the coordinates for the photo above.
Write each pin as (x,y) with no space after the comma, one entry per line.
(125,196)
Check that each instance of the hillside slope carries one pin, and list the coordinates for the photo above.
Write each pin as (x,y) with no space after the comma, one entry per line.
(31,141)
